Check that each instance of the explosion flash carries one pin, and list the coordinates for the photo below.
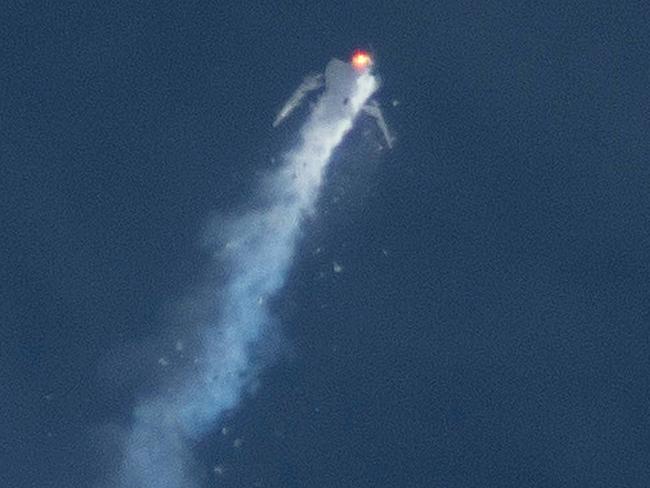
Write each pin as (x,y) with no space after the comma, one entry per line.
(361,60)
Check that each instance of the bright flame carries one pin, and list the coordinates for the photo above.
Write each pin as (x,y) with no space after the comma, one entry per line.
(361,60)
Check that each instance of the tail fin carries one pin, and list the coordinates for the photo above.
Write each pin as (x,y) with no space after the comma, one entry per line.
(372,109)
(310,83)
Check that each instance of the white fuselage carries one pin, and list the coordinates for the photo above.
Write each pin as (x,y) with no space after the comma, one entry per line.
(346,92)
(342,85)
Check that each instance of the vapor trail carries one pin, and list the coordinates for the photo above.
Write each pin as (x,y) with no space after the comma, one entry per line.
(157,446)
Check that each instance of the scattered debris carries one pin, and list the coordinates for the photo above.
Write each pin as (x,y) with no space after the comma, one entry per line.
(224,431)
(238,442)
(395,103)
(337,267)
(163,362)
(179,346)
(219,469)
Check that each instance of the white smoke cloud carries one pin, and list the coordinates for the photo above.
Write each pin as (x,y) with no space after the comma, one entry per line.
(257,252)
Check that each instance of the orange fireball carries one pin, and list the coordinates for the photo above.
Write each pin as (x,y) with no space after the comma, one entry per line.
(361,60)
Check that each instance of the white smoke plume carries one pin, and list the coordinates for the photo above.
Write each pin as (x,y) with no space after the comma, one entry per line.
(156,450)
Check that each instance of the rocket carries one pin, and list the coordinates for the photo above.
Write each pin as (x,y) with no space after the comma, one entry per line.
(339,81)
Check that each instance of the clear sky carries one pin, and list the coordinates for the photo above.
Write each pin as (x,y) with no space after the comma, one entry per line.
(488,323)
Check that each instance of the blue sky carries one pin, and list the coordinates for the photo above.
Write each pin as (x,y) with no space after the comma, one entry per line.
(490,323)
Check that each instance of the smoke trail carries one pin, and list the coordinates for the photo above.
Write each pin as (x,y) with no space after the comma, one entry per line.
(157,446)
